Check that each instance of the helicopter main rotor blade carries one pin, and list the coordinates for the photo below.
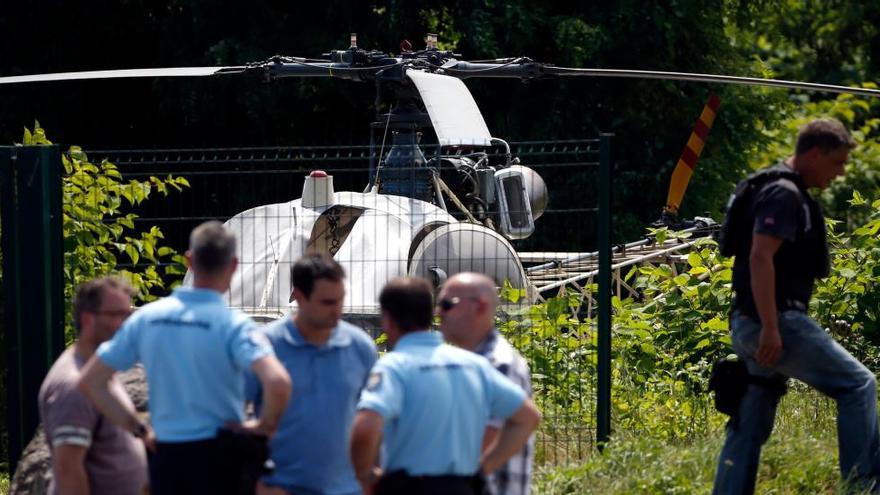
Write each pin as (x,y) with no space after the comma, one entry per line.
(713,78)
(526,69)
(122,74)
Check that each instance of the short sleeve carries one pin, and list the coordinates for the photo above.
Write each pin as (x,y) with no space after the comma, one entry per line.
(383,392)
(496,423)
(247,345)
(505,397)
(69,419)
(121,352)
(776,211)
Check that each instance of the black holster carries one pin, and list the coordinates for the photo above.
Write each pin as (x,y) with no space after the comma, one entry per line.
(730,379)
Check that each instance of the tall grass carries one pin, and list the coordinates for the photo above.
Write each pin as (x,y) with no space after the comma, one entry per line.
(800,458)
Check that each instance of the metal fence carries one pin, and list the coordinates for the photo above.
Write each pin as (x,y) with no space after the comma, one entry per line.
(279,213)
(227,181)
(254,190)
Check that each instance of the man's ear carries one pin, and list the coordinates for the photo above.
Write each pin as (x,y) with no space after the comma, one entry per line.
(814,153)
(297,295)
(188,256)
(483,305)
(86,320)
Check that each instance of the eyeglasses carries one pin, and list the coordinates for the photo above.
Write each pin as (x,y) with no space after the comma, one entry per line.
(447,303)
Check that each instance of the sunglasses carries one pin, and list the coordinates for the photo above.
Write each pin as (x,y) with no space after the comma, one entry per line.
(447,303)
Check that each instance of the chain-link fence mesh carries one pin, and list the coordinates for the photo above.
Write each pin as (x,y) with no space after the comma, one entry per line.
(533,230)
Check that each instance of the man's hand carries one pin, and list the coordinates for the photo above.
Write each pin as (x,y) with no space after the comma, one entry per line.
(763,274)
(149,439)
(252,426)
(369,483)
(769,347)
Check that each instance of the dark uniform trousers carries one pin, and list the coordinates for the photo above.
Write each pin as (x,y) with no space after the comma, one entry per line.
(229,464)
(401,483)
(192,467)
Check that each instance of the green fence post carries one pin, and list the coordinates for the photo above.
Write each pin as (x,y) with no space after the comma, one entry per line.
(603,298)
(33,281)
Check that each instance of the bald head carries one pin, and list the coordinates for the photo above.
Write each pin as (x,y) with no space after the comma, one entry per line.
(477,285)
(467,307)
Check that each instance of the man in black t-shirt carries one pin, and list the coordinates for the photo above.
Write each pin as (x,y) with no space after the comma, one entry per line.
(769,327)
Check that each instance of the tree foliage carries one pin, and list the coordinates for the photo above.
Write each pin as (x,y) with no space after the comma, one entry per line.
(100,238)
(665,341)
(651,120)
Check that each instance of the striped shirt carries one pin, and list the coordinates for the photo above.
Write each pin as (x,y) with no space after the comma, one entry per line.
(514,477)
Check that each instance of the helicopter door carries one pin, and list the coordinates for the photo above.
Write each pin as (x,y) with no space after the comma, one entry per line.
(514,209)
(332,229)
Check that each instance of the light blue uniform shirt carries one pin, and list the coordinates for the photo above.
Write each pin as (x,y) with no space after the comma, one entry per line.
(436,401)
(310,447)
(195,351)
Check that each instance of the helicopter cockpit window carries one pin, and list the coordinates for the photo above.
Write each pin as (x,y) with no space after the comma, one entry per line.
(515,203)
(514,210)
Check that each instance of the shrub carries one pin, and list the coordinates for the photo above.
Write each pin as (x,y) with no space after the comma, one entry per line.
(97,230)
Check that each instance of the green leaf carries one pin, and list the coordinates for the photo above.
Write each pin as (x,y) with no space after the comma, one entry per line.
(132,253)
(857,199)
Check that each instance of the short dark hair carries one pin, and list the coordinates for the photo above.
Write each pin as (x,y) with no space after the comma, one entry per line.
(409,302)
(826,134)
(311,268)
(89,295)
(212,247)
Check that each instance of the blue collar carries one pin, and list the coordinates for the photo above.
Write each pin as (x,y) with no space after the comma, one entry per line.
(197,294)
(291,335)
(419,338)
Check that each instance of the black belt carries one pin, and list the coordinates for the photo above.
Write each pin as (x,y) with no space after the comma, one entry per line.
(793,304)
(788,304)
(402,483)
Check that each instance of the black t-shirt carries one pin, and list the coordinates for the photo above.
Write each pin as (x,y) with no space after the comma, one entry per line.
(784,210)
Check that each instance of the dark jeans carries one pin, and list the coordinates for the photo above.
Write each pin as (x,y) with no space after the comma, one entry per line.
(185,468)
(401,483)
(810,355)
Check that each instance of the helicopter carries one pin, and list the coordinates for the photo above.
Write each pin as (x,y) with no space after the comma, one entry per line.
(456,209)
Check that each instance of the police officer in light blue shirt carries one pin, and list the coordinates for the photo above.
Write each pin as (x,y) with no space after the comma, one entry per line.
(195,352)
(330,361)
(430,404)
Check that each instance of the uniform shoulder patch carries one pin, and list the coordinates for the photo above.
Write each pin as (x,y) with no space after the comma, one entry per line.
(374,380)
